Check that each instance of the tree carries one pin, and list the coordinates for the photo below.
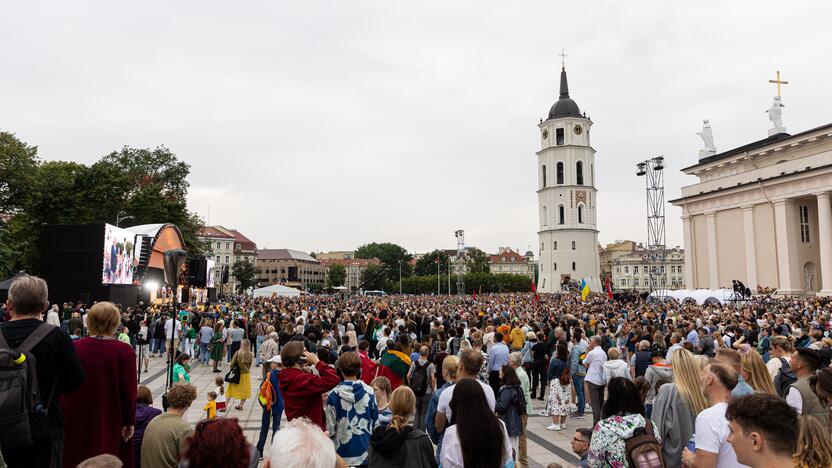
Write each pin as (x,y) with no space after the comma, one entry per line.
(390,256)
(18,161)
(243,271)
(426,265)
(336,275)
(373,278)
(477,261)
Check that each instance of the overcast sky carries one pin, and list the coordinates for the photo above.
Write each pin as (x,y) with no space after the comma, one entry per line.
(324,125)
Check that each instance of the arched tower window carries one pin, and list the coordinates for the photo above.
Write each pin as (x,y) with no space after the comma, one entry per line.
(579,172)
(581,213)
(545,215)
(544,176)
(559,170)
(561,214)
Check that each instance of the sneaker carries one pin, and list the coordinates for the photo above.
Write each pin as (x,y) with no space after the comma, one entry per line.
(543,413)
(553,427)
(577,415)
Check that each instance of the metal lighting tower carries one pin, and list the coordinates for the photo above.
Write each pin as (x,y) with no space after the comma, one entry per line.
(460,257)
(653,172)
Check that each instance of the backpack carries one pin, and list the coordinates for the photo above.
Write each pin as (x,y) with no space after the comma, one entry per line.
(784,379)
(455,341)
(21,406)
(419,379)
(643,449)
(267,395)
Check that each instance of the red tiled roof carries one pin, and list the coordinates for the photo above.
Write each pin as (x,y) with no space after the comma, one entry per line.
(245,242)
(509,256)
(210,231)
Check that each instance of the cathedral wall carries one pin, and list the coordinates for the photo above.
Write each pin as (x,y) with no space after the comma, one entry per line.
(730,246)
(765,247)
(700,239)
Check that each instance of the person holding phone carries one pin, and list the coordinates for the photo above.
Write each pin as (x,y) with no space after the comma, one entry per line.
(301,389)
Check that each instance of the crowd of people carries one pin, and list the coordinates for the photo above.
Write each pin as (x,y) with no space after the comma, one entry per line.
(418,381)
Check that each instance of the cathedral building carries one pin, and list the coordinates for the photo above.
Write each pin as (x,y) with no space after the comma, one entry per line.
(566,197)
(761,213)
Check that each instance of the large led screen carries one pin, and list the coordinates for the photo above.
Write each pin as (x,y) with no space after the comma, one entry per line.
(209,272)
(120,256)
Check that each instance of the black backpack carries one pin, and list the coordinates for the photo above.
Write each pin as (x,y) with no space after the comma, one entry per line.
(419,379)
(21,406)
(784,379)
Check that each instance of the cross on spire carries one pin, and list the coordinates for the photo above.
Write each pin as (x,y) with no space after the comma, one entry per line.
(563,59)
(778,82)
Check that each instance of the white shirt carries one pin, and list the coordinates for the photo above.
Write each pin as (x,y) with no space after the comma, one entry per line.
(774,364)
(52,318)
(795,400)
(168,326)
(445,399)
(668,356)
(594,362)
(712,436)
(488,339)
(451,455)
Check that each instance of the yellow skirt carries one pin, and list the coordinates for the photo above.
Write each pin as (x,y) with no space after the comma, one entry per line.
(242,390)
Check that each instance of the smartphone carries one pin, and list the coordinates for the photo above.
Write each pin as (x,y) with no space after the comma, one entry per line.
(692,444)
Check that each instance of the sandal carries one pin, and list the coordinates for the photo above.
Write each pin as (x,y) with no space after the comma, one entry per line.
(238,408)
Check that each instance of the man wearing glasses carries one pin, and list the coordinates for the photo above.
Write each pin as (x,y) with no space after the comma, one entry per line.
(580,445)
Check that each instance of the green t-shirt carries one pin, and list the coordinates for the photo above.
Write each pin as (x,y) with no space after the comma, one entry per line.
(177,370)
(164,440)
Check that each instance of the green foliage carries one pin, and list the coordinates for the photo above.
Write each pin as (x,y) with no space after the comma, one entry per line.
(314,287)
(149,185)
(426,265)
(390,256)
(474,283)
(17,163)
(243,271)
(373,278)
(336,275)
(476,260)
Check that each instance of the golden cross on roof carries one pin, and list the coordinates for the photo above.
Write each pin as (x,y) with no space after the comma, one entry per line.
(563,58)
(778,82)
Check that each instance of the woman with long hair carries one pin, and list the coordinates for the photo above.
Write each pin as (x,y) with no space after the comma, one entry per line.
(511,404)
(476,437)
(676,406)
(242,390)
(399,444)
(814,448)
(217,442)
(821,384)
(558,403)
(755,373)
(622,414)
(781,353)
(382,389)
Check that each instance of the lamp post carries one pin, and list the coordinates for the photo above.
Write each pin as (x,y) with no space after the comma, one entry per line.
(121,216)
(400,276)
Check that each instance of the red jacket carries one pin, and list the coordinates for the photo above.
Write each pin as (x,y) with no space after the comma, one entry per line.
(302,392)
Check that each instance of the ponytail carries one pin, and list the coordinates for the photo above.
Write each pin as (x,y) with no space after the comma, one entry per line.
(398,422)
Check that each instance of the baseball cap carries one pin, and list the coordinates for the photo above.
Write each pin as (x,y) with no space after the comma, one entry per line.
(325,344)
(276,358)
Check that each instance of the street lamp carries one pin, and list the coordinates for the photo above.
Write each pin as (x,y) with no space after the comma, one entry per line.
(400,276)
(121,216)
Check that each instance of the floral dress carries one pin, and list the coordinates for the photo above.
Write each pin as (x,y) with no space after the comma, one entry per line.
(607,448)
(558,403)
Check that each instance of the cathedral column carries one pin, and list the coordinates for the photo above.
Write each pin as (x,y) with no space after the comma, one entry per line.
(750,248)
(690,279)
(713,257)
(784,234)
(825,242)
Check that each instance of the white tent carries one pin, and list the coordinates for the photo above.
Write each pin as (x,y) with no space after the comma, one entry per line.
(278,290)
(699,295)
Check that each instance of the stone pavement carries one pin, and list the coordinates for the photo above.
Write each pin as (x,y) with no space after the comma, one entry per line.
(544,446)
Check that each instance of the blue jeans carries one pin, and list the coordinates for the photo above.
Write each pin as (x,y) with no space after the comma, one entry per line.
(204,355)
(264,427)
(257,343)
(578,382)
(160,345)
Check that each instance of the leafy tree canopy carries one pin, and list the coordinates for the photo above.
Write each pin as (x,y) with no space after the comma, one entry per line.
(426,265)
(336,275)
(476,260)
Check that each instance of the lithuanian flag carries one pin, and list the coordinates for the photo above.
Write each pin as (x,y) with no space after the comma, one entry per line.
(584,289)
(394,365)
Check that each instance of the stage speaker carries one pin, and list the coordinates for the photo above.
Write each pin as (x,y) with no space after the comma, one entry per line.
(174,259)
(197,272)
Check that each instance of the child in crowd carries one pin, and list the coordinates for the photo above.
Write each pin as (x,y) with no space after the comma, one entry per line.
(76,334)
(211,406)
(220,394)
(124,336)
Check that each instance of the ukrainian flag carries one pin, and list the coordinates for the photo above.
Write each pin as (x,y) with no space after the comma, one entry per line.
(584,289)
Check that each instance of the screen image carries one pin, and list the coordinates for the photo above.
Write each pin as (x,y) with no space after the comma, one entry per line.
(209,280)
(120,260)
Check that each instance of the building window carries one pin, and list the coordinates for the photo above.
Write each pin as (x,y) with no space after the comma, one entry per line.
(635,282)
(626,269)
(555,247)
(573,266)
(226,259)
(541,247)
(227,245)
(579,172)
(804,224)
(635,269)
(545,215)
(559,173)
(561,214)
(580,214)
(573,245)
(218,259)
(544,176)
(559,136)
(219,245)
(556,267)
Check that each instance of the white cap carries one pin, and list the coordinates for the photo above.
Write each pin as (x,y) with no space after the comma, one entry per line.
(325,343)
(276,358)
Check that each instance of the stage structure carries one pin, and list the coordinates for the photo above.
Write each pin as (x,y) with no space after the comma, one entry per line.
(653,172)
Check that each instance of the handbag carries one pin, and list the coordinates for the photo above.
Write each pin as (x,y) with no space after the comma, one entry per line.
(233,375)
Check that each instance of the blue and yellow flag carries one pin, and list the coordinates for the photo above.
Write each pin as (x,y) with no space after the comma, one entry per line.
(584,289)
